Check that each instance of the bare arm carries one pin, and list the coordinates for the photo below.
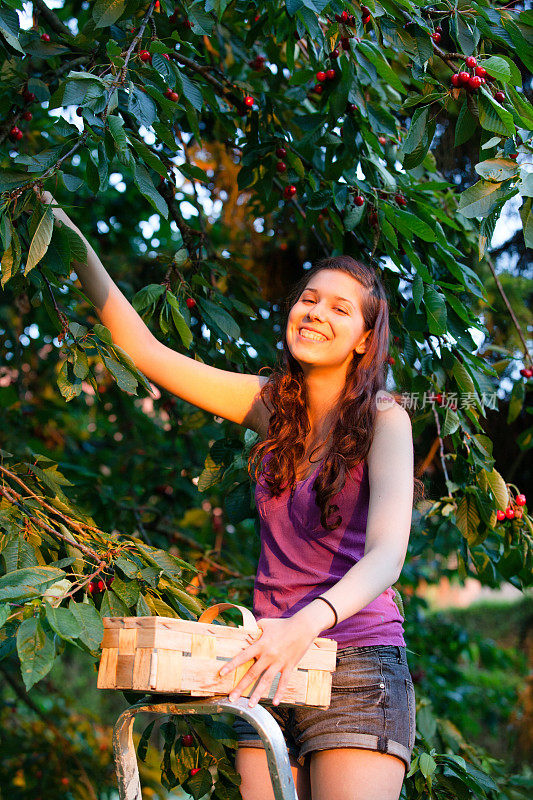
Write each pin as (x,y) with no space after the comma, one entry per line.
(227,394)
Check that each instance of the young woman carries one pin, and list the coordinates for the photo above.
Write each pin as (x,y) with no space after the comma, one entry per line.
(326,433)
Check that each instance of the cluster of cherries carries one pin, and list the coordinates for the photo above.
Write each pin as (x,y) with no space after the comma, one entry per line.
(15,133)
(322,76)
(95,587)
(513,511)
(480,76)
(281,167)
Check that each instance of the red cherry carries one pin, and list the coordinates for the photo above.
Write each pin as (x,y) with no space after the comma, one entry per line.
(13,132)
(281,166)
(464,77)
(27,115)
(471,62)
(365,11)
(523,372)
(438,29)
(456,80)
(19,135)
(317,88)
(330,74)
(351,108)
(174,96)
(321,76)
(190,302)
(187,23)
(289,191)
(366,20)
(187,740)
(499,96)
(391,360)
(45,37)
(509,512)
(249,100)
(514,156)
(481,71)
(438,399)
(500,515)
(281,152)
(100,586)
(29,97)
(79,111)
(520,500)
(518,513)
(529,370)
(91,587)
(65,781)
(166,55)
(145,56)
(400,199)
(334,53)
(359,200)
(474,82)
(194,770)
(382,139)
(344,16)
(396,340)
(157,5)
(435,36)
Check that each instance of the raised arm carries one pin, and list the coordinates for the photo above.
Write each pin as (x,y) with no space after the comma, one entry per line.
(227,394)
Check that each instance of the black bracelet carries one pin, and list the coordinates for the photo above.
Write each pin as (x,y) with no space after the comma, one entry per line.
(332,608)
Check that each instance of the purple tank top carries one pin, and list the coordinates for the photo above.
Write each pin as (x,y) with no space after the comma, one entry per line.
(300,559)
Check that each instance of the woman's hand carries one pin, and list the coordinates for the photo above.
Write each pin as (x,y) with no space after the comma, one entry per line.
(279,649)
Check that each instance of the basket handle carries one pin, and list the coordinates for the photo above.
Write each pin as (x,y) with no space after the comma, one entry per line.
(213,611)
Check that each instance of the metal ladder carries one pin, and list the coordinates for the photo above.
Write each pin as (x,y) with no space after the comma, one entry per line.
(129,785)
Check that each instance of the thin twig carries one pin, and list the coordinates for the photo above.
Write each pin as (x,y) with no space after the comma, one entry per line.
(500,288)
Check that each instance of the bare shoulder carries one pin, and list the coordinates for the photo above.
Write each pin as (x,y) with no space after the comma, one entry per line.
(393,434)
(392,413)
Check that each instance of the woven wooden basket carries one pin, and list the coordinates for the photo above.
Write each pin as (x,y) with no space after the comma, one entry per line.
(163,654)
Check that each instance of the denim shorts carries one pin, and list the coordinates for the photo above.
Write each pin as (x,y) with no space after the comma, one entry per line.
(372,706)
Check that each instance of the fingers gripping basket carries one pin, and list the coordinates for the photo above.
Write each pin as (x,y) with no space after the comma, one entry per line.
(163,654)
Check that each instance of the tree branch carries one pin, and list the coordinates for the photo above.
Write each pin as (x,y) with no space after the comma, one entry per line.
(52,19)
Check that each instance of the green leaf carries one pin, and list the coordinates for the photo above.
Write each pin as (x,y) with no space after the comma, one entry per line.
(146,296)
(493,117)
(116,128)
(36,651)
(127,591)
(106,12)
(375,56)
(498,68)
(112,605)
(142,107)
(522,105)
(497,169)
(144,184)
(63,622)
(415,225)
(91,625)
(465,125)
(435,311)
(498,488)
(192,92)
(416,130)
(24,584)
(179,321)
(123,376)
(214,314)
(479,200)
(41,239)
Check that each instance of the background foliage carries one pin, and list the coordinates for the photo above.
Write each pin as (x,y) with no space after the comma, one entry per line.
(187,200)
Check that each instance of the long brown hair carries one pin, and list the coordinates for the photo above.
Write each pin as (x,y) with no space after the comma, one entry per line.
(285,394)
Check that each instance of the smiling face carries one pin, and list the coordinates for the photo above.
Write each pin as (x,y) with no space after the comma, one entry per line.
(330,305)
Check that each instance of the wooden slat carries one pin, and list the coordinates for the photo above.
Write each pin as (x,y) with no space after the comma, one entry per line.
(142,668)
(127,638)
(110,638)
(107,671)
(169,670)
(203,646)
(125,671)
(318,687)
